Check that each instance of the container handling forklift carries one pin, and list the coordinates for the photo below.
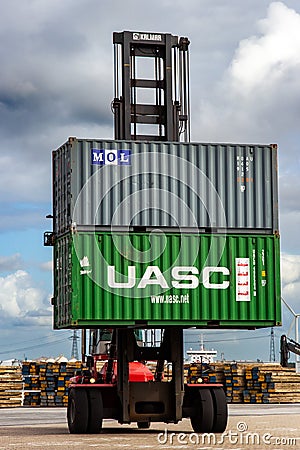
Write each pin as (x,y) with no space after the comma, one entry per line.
(126,390)
(123,388)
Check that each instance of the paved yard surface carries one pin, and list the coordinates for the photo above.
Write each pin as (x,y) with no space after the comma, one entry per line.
(249,426)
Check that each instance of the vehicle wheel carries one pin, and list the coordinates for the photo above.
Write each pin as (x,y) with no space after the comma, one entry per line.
(144,424)
(220,410)
(202,419)
(77,412)
(95,411)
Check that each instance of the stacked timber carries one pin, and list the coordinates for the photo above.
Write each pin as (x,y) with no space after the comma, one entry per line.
(216,373)
(271,383)
(284,387)
(246,382)
(254,385)
(30,372)
(234,382)
(10,387)
(46,383)
(198,373)
(48,378)
(66,371)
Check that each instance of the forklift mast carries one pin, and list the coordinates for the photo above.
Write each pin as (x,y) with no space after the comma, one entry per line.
(151,87)
(151,103)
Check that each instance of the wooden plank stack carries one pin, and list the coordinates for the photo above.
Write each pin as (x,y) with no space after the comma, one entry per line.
(48,379)
(198,373)
(30,371)
(231,375)
(272,384)
(253,382)
(10,386)
(217,373)
(46,383)
(234,382)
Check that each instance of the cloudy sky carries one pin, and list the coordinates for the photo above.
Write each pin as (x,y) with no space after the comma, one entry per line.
(56,81)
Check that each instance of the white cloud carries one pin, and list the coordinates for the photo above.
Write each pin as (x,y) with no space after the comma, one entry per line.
(21,301)
(290,280)
(289,192)
(289,229)
(11,262)
(47,266)
(290,269)
(262,62)
(258,97)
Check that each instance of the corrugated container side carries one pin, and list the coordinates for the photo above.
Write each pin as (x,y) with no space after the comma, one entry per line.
(209,186)
(166,279)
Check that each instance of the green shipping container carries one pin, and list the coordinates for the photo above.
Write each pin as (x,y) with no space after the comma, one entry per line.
(157,279)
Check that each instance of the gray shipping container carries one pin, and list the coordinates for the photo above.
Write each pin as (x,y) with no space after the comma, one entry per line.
(209,187)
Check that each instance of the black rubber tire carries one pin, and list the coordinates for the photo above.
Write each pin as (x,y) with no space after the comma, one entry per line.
(95,411)
(202,419)
(220,410)
(77,412)
(144,425)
